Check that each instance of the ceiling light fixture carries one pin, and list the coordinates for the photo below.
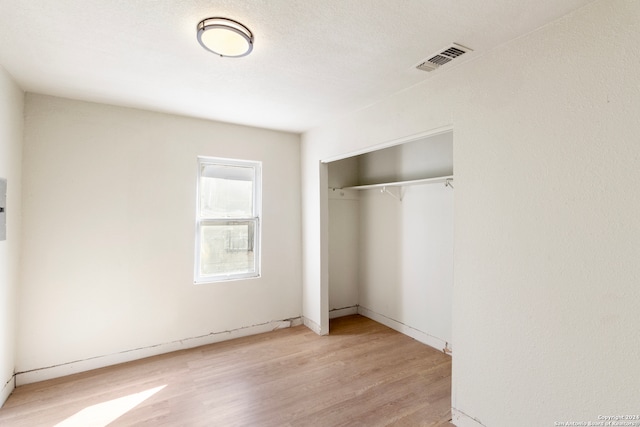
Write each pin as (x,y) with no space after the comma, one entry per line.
(225,37)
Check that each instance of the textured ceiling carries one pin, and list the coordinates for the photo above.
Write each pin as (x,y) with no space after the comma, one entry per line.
(312,59)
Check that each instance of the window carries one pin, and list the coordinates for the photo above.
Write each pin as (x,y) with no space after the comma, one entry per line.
(227,220)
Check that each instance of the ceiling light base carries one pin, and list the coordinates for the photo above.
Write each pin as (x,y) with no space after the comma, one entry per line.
(225,37)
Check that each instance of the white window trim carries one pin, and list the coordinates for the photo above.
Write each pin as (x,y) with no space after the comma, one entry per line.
(257,218)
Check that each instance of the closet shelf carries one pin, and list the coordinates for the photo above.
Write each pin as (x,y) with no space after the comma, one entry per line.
(440,179)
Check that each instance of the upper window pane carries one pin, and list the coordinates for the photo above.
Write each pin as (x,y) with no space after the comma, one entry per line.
(226,191)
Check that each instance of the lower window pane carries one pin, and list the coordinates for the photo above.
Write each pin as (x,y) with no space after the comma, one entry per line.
(227,249)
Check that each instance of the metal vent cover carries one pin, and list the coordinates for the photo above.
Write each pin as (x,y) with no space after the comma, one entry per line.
(443,57)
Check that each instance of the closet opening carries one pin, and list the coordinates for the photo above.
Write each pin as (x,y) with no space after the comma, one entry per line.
(390,234)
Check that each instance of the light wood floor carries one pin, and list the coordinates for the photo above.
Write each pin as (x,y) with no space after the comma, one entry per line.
(362,374)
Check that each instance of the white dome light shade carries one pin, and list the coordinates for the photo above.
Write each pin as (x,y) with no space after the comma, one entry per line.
(225,37)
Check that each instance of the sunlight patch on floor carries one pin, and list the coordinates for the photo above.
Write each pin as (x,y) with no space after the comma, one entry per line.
(101,414)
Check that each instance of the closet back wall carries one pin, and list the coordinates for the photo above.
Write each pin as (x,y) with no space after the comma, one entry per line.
(109,212)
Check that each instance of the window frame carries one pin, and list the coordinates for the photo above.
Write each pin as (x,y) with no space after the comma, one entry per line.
(256,220)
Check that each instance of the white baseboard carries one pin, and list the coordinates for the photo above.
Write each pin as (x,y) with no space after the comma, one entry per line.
(7,388)
(312,325)
(416,334)
(341,312)
(295,322)
(75,367)
(460,419)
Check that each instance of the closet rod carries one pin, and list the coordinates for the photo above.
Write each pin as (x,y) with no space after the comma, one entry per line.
(447,180)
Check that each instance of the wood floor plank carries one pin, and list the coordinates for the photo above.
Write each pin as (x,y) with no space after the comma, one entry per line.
(362,374)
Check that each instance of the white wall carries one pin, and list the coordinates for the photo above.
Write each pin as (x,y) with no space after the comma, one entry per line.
(11,124)
(406,260)
(424,158)
(315,251)
(547,159)
(109,214)
(344,220)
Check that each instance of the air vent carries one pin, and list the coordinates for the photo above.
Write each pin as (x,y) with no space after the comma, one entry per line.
(443,57)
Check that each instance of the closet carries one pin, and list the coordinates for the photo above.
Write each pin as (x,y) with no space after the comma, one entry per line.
(391,237)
